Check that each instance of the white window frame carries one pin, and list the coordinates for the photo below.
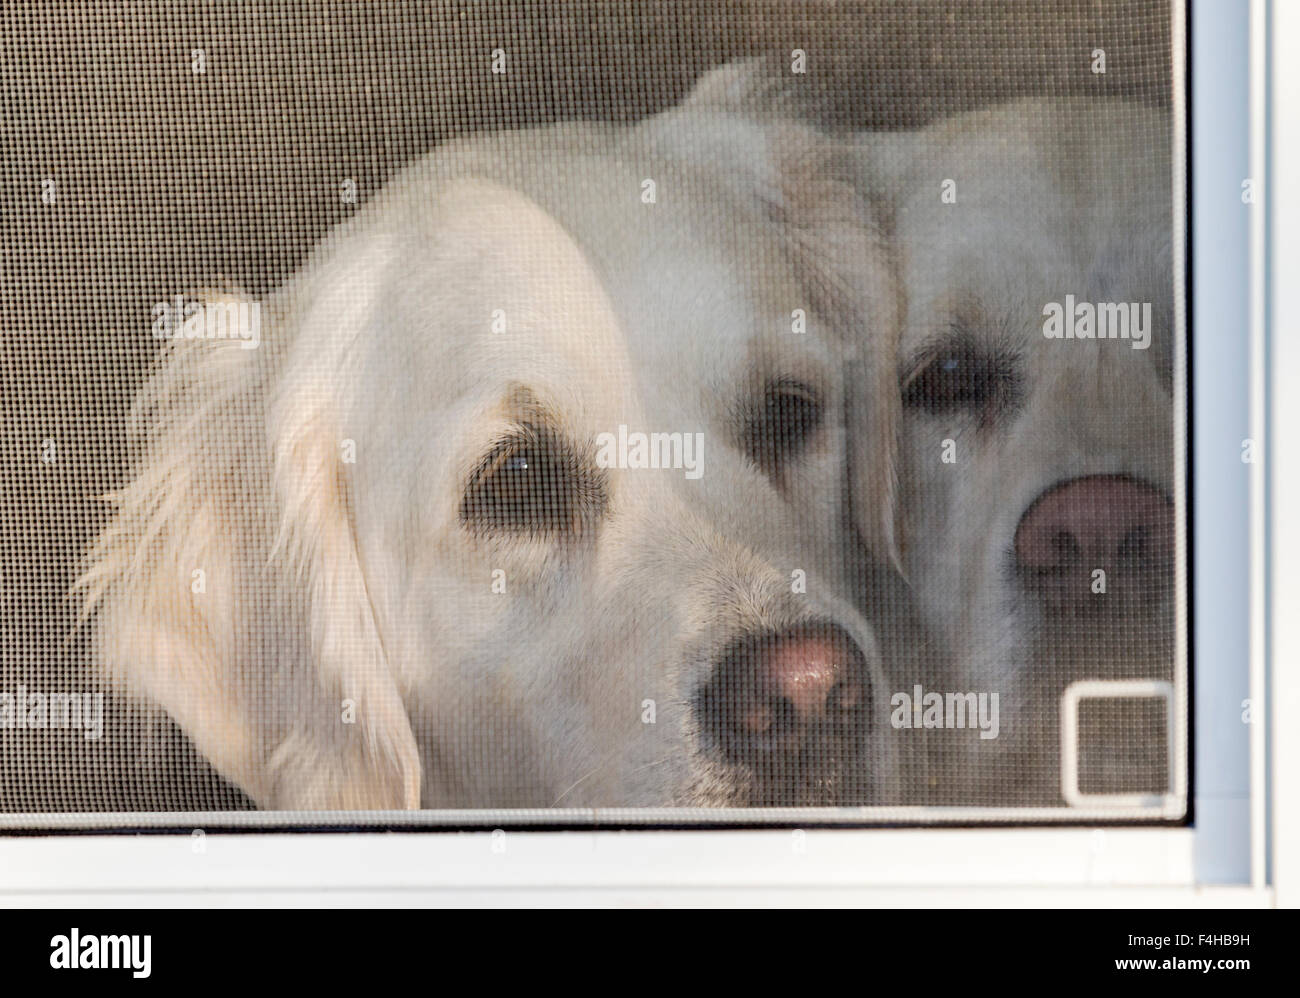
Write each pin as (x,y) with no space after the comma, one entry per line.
(1243,848)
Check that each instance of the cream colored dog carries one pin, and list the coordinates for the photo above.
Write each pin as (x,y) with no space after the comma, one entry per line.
(1035,517)
(532,493)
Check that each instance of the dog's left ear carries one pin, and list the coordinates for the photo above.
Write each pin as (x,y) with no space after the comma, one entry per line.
(264,651)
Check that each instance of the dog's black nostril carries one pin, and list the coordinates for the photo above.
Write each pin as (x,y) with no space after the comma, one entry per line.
(846,701)
(1066,547)
(758,720)
(1134,545)
(785,717)
(784,726)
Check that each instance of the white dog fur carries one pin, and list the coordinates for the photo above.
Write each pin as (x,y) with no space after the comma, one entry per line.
(346,647)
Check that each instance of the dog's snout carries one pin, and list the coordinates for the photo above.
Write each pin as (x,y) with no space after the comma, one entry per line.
(1120,525)
(787,696)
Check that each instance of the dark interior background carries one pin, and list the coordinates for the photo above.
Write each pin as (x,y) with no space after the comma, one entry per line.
(169,181)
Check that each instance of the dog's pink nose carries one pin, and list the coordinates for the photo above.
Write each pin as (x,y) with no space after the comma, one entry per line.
(1102,521)
(812,672)
(783,695)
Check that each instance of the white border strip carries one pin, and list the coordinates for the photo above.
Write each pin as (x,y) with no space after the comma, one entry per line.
(1221,490)
(1284,466)
(723,896)
(1258,433)
(499,860)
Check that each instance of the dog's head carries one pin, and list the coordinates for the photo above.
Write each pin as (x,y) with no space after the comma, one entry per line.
(532,495)
(1035,522)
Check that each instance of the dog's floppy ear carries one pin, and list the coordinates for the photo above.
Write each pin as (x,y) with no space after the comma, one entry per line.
(316,542)
(846,263)
(226,589)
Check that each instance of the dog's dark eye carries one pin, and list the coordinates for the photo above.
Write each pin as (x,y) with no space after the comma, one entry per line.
(531,483)
(950,380)
(960,378)
(782,422)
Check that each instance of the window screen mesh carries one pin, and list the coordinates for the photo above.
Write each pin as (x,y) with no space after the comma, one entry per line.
(595,412)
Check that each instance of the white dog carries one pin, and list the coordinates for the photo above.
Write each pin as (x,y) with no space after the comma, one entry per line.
(1035,519)
(532,493)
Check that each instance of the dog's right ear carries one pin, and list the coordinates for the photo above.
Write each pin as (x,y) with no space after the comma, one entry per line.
(846,265)
(227,590)
(744,125)
(809,185)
